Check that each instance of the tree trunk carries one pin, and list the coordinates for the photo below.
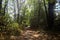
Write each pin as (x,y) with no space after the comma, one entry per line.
(50,14)
(0,7)
(18,11)
(6,3)
(14,11)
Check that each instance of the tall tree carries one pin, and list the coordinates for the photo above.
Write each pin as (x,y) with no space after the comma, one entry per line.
(0,7)
(6,6)
(50,20)
(18,11)
(14,10)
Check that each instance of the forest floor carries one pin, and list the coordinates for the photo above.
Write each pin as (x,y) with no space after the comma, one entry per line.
(35,35)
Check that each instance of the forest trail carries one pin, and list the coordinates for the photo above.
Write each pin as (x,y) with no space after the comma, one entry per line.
(37,35)
(34,35)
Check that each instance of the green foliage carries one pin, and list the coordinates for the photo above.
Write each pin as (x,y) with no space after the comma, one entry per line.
(14,28)
(51,1)
(9,26)
(31,12)
(15,25)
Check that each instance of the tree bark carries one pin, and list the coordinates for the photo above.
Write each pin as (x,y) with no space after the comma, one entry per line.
(14,11)
(50,14)
(18,11)
(6,3)
(0,7)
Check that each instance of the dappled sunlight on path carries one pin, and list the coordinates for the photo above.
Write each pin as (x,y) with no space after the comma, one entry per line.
(37,35)
(33,35)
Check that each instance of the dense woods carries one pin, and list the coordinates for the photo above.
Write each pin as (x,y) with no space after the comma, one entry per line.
(21,17)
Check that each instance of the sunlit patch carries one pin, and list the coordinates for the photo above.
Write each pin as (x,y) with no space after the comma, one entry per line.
(56,14)
(57,8)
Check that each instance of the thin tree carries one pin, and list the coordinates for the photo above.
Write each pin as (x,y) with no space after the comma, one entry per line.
(0,7)
(14,10)
(18,10)
(0,14)
(6,6)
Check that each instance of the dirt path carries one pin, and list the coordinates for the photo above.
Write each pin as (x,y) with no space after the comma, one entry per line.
(35,35)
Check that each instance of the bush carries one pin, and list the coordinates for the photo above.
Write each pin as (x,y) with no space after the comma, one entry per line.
(14,28)
(8,25)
